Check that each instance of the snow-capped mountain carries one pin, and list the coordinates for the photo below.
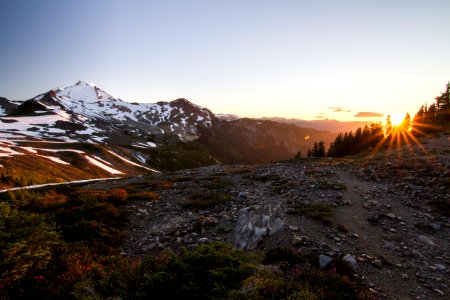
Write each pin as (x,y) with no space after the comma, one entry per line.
(84,112)
(228,117)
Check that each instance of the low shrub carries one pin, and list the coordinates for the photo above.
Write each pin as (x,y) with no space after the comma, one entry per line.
(145,196)
(318,211)
(218,183)
(205,200)
(331,186)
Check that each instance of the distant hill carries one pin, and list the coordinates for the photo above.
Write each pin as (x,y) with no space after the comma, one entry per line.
(258,141)
(334,126)
(164,135)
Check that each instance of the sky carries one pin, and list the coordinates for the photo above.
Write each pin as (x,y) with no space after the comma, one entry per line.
(341,60)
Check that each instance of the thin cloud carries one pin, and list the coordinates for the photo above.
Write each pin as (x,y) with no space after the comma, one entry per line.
(368,114)
(339,109)
(320,117)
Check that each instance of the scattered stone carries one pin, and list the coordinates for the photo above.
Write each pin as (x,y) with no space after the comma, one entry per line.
(324,261)
(257,211)
(142,211)
(296,240)
(370,204)
(392,236)
(435,226)
(426,240)
(354,235)
(390,216)
(440,268)
(242,195)
(351,261)
(374,219)
(203,240)
(439,292)
(377,263)
(342,227)
(208,221)
(253,225)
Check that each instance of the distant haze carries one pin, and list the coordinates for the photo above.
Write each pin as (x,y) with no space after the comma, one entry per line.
(333,126)
(344,60)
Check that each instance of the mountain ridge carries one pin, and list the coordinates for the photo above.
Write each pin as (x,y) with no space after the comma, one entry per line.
(164,135)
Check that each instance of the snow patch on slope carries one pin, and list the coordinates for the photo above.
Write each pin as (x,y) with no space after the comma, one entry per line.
(132,163)
(102,165)
(55,159)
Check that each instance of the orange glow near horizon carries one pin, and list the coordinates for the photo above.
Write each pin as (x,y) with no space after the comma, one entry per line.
(397,119)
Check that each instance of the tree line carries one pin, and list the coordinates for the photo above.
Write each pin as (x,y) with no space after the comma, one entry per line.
(429,119)
(434,117)
(349,143)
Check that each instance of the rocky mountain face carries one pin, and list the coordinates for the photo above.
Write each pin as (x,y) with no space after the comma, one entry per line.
(387,216)
(6,106)
(84,112)
(166,135)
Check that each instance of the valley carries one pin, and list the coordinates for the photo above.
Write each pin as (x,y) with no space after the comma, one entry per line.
(113,185)
(385,216)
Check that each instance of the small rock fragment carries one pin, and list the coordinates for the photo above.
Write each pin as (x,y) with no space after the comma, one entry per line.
(351,261)
(324,261)
(296,240)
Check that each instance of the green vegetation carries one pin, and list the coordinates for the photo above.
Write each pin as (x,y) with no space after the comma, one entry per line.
(218,184)
(331,186)
(318,211)
(208,199)
(65,244)
(350,143)
(49,239)
(179,156)
(435,117)
(217,271)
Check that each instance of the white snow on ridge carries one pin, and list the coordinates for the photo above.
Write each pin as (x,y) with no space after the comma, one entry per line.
(23,123)
(86,104)
(102,165)
(144,145)
(2,112)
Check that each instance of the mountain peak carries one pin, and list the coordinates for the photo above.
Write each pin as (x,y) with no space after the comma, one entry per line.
(81,82)
(85,91)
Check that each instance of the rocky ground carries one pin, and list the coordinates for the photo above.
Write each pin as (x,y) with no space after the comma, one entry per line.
(387,214)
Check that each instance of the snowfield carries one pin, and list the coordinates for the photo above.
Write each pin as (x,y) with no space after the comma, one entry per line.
(84,112)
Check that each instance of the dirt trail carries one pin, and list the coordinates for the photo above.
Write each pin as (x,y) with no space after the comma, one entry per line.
(385,238)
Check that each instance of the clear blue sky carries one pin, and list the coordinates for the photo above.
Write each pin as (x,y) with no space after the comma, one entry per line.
(253,58)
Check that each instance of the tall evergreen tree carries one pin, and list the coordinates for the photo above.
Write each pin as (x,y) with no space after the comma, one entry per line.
(406,123)
(321,149)
(388,125)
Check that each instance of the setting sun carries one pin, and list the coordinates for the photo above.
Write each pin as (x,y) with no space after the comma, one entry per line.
(397,119)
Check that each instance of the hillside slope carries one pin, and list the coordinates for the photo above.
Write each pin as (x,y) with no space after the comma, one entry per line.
(256,141)
(387,215)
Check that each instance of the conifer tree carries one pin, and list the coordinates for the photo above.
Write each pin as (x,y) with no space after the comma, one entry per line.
(388,125)
(406,123)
